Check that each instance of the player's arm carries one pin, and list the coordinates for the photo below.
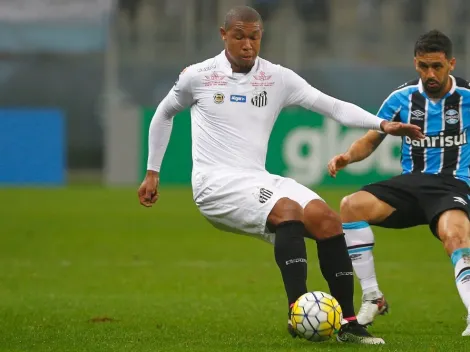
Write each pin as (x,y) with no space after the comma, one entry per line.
(359,150)
(179,98)
(365,146)
(299,92)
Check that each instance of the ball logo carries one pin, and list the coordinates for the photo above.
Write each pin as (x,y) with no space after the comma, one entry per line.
(452,116)
(219,98)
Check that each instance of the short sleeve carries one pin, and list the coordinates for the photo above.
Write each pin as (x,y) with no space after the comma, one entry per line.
(390,108)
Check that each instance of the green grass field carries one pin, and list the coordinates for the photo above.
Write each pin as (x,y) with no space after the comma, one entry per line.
(89,269)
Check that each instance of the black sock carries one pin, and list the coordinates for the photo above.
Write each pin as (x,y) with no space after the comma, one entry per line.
(337,269)
(291,257)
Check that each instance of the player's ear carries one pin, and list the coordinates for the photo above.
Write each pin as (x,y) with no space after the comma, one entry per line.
(223,33)
(416,63)
(452,63)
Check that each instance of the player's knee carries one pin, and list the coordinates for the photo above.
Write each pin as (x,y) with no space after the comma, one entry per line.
(321,221)
(455,236)
(285,210)
(349,209)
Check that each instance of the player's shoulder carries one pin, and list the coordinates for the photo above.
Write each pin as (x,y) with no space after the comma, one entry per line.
(268,65)
(407,86)
(190,73)
(462,85)
(404,90)
(200,67)
(277,71)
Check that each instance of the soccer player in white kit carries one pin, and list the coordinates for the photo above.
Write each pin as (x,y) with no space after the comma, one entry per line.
(235,99)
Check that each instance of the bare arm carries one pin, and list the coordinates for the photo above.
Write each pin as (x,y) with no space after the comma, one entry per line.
(364,146)
(358,151)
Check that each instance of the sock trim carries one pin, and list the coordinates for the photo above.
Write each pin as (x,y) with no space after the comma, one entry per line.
(459,254)
(363,248)
(355,225)
(462,274)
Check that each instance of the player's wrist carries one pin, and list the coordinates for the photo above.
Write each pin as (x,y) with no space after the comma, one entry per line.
(152,173)
(383,125)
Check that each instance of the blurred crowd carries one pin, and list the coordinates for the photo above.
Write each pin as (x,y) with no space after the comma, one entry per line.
(320,23)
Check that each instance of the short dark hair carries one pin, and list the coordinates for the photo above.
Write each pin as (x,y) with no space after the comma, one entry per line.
(242,13)
(434,42)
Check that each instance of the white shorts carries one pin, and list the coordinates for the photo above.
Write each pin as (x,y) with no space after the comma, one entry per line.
(240,201)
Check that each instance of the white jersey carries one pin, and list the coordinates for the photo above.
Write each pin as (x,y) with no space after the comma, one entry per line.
(232,114)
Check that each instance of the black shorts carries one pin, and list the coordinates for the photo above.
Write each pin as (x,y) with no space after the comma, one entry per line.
(419,199)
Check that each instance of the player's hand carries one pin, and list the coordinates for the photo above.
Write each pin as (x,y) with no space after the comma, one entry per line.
(402,129)
(337,163)
(148,190)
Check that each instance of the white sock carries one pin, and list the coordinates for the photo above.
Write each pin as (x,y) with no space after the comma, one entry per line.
(360,241)
(461,261)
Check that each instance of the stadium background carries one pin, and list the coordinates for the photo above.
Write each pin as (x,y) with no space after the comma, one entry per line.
(78,84)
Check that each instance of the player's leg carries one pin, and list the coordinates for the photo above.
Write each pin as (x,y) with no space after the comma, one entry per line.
(336,267)
(357,211)
(325,226)
(444,200)
(252,203)
(289,246)
(453,228)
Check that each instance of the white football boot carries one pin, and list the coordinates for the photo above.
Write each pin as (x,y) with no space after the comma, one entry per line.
(373,304)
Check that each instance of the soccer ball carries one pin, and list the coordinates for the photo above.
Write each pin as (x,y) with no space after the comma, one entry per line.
(316,316)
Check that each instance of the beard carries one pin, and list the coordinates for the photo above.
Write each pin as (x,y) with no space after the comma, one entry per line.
(432,86)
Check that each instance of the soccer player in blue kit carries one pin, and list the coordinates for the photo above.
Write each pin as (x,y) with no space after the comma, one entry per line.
(434,186)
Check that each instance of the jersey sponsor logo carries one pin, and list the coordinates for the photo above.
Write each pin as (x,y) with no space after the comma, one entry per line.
(215,79)
(260,99)
(452,116)
(439,141)
(238,98)
(264,195)
(262,80)
(208,68)
(219,98)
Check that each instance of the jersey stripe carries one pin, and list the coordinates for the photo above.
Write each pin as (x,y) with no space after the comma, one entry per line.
(418,115)
(406,160)
(451,130)
(434,123)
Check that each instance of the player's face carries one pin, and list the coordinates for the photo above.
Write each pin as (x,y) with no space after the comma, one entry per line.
(242,43)
(434,70)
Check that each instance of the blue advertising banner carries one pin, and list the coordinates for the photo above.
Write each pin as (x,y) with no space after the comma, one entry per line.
(32,147)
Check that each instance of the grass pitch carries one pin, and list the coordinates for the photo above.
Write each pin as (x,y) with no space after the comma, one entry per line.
(89,269)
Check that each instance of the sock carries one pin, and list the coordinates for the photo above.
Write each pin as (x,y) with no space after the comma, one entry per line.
(337,270)
(291,257)
(461,261)
(360,241)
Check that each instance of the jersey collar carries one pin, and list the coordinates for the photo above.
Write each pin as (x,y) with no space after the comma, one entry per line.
(226,66)
(449,93)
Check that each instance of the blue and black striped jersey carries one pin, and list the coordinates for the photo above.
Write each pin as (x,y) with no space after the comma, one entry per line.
(444,122)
